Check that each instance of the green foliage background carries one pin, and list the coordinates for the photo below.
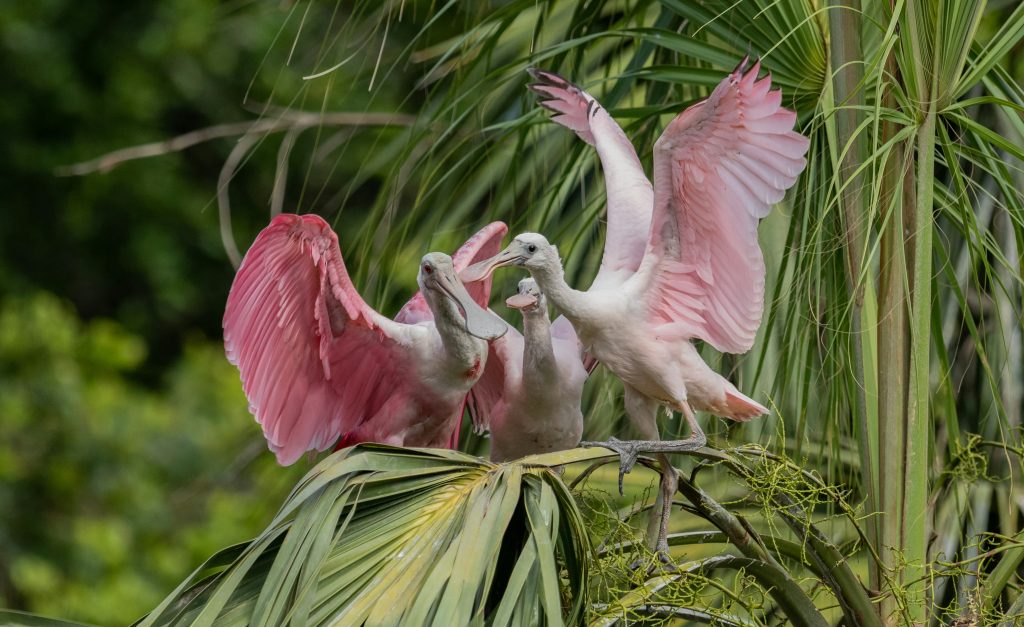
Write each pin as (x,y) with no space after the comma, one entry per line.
(127,455)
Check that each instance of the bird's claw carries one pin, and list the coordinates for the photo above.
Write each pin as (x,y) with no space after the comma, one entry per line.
(662,560)
(628,452)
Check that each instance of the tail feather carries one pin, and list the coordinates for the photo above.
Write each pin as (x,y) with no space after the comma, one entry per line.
(742,408)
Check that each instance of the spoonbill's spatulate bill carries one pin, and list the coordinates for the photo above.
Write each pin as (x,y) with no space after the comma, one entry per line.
(718,168)
(318,364)
(529,395)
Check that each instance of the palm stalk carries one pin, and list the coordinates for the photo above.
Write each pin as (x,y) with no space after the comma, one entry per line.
(846,57)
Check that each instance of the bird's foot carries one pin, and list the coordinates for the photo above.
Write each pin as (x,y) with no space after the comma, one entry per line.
(661,562)
(696,441)
(628,451)
(661,550)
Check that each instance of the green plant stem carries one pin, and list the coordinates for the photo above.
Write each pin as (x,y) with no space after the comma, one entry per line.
(689,614)
(740,534)
(829,563)
(893,347)
(779,546)
(832,564)
(847,63)
(915,509)
(787,593)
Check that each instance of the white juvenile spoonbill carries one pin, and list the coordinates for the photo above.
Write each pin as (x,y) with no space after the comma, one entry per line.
(719,167)
(529,395)
(318,364)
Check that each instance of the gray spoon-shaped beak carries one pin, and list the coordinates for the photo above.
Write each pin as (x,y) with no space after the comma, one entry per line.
(483,269)
(479,322)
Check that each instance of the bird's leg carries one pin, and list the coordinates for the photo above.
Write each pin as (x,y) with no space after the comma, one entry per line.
(642,412)
(627,450)
(669,484)
(696,440)
(669,479)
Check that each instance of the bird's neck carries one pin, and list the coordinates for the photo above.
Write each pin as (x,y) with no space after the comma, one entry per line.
(459,345)
(539,366)
(551,280)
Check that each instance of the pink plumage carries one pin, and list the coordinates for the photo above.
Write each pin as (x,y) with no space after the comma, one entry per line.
(718,168)
(317,363)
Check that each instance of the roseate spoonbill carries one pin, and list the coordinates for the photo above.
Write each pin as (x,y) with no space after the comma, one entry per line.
(529,394)
(318,364)
(719,167)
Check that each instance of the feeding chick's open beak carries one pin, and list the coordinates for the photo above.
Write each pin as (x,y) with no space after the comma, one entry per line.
(528,298)
(523,302)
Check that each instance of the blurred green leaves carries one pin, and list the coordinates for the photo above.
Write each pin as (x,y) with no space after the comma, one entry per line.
(109,490)
(126,452)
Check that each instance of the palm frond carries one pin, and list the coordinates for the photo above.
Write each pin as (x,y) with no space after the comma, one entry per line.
(378,535)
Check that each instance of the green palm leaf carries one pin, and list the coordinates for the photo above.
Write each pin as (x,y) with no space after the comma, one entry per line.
(379,535)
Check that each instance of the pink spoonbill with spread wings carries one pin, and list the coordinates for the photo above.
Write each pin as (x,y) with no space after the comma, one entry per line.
(719,167)
(318,364)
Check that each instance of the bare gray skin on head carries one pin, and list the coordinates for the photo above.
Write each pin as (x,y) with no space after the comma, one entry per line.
(451,302)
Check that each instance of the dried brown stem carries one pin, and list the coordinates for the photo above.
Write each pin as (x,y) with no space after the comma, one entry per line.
(285,121)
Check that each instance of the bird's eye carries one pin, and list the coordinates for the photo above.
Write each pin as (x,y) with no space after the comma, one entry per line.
(427,269)
(532,248)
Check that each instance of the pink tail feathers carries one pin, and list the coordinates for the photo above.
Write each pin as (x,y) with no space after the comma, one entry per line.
(742,408)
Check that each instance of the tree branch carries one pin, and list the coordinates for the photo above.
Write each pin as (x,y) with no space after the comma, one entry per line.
(285,121)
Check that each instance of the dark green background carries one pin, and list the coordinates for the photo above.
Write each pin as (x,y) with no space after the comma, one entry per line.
(127,455)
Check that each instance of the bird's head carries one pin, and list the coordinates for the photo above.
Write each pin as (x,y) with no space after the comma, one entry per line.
(529,298)
(441,287)
(529,250)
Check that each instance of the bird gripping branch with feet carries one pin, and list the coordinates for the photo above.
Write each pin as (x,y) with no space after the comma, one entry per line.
(719,167)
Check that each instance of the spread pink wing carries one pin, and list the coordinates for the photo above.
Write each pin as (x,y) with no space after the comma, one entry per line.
(504,360)
(483,245)
(315,359)
(629,193)
(718,169)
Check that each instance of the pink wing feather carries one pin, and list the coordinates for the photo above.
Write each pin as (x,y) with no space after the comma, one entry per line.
(630,195)
(295,326)
(719,167)
(489,392)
